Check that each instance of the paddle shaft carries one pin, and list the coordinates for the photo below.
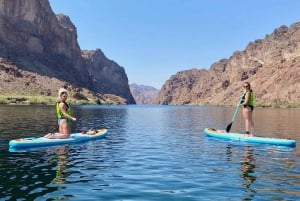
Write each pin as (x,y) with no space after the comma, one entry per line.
(234,114)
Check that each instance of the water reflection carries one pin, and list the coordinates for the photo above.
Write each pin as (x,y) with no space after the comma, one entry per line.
(245,156)
(150,152)
(25,176)
(60,160)
(248,167)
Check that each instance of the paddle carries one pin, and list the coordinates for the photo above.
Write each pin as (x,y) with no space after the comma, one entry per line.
(234,114)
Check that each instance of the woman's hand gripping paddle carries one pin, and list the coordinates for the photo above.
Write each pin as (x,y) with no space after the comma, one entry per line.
(234,114)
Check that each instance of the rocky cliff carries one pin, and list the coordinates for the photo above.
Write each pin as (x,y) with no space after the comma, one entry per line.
(271,65)
(143,94)
(34,39)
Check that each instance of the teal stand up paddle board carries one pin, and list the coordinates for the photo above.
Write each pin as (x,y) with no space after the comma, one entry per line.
(254,139)
(31,142)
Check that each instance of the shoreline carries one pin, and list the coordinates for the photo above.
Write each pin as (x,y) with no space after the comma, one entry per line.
(50,100)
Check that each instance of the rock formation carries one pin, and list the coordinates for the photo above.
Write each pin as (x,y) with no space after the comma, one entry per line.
(143,94)
(271,65)
(34,39)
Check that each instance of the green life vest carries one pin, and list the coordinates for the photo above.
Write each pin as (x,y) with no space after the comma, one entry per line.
(59,114)
(251,98)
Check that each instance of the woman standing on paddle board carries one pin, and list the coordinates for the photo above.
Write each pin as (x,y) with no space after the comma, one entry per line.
(248,105)
(64,117)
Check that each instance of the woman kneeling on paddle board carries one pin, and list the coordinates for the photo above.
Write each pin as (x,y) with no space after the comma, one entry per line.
(64,117)
(248,105)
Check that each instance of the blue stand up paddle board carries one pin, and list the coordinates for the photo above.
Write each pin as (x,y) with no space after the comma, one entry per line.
(31,142)
(255,139)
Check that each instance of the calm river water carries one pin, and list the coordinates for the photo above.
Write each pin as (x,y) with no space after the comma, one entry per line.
(150,153)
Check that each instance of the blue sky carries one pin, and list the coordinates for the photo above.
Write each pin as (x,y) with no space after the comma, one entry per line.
(155,39)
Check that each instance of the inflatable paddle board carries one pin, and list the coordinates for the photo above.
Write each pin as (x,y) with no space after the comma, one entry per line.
(255,139)
(42,141)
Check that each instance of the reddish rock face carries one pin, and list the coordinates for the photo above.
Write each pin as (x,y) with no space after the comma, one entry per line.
(271,65)
(33,38)
(143,94)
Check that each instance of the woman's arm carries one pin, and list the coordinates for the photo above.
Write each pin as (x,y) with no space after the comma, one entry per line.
(62,108)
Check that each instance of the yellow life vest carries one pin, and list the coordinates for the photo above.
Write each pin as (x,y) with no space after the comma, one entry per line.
(251,98)
(59,114)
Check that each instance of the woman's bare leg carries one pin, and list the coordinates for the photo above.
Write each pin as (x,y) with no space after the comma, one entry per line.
(247,115)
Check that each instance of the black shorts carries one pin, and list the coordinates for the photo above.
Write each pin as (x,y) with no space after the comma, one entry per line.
(249,106)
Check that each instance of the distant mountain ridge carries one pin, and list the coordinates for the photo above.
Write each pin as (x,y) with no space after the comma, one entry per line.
(34,39)
(271,65)
(143,94)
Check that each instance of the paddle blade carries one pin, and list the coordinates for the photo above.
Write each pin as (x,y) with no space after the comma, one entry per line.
(228,127)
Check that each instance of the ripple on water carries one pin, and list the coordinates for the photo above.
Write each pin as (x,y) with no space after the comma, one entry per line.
(150,153)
